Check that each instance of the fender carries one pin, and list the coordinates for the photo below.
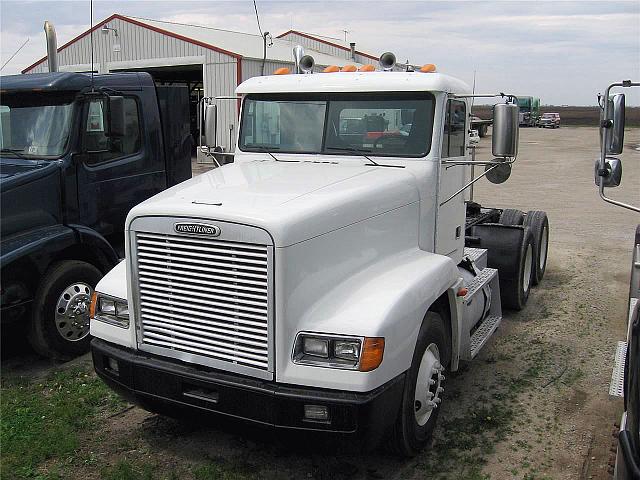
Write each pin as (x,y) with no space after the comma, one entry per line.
(388,299)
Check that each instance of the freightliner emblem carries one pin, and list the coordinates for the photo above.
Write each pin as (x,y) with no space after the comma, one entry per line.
(197,229)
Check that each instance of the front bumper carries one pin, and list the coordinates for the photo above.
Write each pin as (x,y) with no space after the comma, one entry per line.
(163,385)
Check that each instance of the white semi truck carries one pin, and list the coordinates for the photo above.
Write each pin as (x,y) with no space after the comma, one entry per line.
(328,277)
(625,379)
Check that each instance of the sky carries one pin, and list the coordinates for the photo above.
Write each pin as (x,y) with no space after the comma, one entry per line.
(564,52)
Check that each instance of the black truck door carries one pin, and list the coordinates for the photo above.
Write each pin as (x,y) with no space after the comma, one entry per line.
(116,173)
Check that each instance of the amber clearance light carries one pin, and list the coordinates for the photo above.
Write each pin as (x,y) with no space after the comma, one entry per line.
(372,353)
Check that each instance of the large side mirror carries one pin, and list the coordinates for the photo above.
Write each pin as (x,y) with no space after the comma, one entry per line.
(115,116)
(611,174)
(504,142)
(210,125)
(614,134)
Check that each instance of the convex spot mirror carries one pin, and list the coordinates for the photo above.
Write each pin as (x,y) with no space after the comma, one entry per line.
(612,172)
(504,142)
(115,116)
(498,173)
(614,134)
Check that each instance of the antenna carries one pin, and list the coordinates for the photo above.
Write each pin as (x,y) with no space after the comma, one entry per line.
(345,34)
(15,53)
(473,91)
(91,30)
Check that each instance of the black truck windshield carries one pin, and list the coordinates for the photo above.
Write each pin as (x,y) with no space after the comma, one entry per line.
(35,124)
(381,124)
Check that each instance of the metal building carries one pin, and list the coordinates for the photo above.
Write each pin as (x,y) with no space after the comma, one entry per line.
(212,62)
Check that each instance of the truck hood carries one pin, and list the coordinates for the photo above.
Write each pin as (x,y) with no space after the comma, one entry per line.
(293,201)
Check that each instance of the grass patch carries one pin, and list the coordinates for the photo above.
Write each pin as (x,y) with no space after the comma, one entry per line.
(42,421)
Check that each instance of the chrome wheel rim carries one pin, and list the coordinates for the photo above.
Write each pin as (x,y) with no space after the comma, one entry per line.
(542,261)
(428,385)
(72,312)
(528,262)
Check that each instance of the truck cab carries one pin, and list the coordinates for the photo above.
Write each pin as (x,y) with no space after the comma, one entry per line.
(331,273)
(78,152)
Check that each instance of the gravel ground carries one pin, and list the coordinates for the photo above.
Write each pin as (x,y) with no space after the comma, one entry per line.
(533,405)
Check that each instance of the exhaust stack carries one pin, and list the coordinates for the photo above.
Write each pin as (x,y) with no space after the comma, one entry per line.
(52,46)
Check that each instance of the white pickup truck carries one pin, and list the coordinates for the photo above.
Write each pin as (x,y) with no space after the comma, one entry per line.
(328,278)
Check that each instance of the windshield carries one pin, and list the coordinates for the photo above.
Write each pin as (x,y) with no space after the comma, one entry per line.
(524,103)
(35,124)
(381,124)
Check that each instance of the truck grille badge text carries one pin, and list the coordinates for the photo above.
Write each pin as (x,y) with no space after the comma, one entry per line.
(197,229)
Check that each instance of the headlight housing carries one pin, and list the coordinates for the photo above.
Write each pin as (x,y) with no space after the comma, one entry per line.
(337,351)
(114,311)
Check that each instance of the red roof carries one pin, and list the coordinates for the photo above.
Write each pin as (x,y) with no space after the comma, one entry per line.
(326,42)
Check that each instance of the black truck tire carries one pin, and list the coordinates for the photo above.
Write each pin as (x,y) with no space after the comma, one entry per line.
(538,223)
(511,216)
(414,427)
(59,327)
(514,292)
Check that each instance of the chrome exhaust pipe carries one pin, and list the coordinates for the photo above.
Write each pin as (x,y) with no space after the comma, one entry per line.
(52,46)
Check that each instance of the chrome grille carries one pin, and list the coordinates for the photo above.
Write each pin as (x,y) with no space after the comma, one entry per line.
(204,297)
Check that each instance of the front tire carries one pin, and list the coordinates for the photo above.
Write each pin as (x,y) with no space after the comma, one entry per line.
(423,388)
(59,326)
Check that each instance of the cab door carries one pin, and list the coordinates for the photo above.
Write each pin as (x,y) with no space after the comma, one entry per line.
(114,173)
(449,236)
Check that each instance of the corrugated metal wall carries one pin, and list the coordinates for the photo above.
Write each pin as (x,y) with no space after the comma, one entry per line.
(318,46)
(141,47)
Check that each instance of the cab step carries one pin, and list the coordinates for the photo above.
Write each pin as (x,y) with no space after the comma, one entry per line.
(485,276)
(616,387)
(477,255)
(483,333)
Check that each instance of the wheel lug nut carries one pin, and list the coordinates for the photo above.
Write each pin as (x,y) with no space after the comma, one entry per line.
(432,381)
(440,389)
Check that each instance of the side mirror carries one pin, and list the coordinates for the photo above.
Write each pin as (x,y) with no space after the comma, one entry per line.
(611,174)
(115,116)
(504,141)
(614,134)
(210,125)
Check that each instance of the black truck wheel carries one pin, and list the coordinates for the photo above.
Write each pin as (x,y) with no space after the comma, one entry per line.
(59,326)
(515,291)
(423,389)
(511,216)
(538,223)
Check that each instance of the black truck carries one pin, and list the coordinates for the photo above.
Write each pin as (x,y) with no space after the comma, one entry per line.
(78,152)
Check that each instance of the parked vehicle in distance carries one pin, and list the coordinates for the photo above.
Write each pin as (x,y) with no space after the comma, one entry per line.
(625,379)
(474,137)
(529,111)
(482,126)
(549,120)
(326,279)
(77,154)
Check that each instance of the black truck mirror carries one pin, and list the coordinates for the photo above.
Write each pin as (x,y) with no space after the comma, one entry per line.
(614,129)
(210,125)
(115,116)
(611,174)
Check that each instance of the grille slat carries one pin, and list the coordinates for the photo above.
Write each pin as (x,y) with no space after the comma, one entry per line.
(204,297)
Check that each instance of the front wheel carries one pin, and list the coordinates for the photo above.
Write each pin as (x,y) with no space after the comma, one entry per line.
(423,388)
(60,318)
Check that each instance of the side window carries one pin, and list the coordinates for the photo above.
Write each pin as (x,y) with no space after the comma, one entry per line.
(453,140)
(101,148)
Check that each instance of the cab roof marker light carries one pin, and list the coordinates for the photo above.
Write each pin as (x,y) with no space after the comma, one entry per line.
(349,68)
(367,68)
(282,71)
(428,68)
(331,69)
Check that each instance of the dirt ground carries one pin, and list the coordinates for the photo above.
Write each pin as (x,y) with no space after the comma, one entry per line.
(533,405)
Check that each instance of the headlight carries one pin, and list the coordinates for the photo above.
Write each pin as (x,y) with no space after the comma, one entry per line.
(333,351)
(114,311)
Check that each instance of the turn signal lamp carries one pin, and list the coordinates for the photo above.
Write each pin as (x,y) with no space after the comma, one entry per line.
(372,353)
(348,68)
(368,68)
(428,68)
(282,71)
(92,307)
(331,69)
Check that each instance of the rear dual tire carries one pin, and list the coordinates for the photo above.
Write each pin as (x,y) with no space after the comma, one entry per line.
(538,223)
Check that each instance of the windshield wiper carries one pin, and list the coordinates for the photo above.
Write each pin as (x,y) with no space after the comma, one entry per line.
(363,153)
(17,151)
(261,149)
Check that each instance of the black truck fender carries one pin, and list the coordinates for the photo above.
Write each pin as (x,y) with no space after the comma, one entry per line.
(26,257)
